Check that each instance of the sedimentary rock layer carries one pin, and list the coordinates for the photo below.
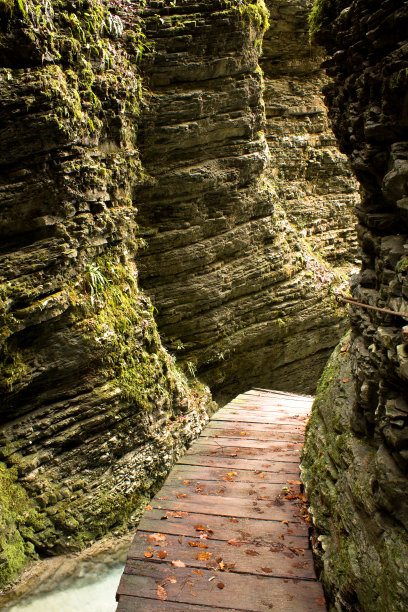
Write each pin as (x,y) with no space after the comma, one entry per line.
(356,458)
(93,409)
(241,290)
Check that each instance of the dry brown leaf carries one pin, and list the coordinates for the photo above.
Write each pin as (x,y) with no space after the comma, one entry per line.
(181,495)
(178,563)
(267,570)
(252,553)
(186,482)
(161,593)
(198,544)
(148,554)
(204,556)
(233,520)
(148,507)
(157,537)
(161,554)
(236,542)
(320,601)
(172,579)
(220,585)
(228,479)
(196,571)
(200,528)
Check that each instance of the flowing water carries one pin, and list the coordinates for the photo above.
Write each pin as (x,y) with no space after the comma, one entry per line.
(82,595)
(83,582)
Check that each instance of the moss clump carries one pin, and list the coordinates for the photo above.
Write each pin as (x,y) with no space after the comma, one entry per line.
(319,13)
(255,13)
(17,513)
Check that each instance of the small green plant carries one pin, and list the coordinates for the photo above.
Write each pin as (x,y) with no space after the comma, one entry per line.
(317,15)
(96,280)
(191,368)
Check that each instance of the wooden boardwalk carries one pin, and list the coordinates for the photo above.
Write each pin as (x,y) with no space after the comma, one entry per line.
(227,532)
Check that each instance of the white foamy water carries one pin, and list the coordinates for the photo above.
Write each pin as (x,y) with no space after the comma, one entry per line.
(80,596)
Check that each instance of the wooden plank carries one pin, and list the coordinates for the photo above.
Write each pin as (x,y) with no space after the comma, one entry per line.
(238,555)
(225,528)
(229,513)
(141,604)
(227,488)
(226,590)
(242,452)
(274,510)
(255,418)
(185,472)
(291,469)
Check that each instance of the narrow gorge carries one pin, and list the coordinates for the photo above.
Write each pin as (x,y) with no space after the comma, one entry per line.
(176,218)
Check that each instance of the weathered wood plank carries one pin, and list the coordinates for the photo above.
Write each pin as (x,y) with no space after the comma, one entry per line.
(229,517)
(183,472)
(238,555)
(226,590)
(225,528)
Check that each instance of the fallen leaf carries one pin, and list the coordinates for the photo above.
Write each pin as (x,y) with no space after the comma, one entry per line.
(235,542)
(345,380)
(172,579)
(203,556)
(161,593)
(221,565)
(148,554)
(233,520)
(242,433)
(196,571)
(294,482)
(200,528)
(178,564)
(176,514)
(267,570)
(285,523)
(180,495)
(320,601)
(230,566)
(220,585)
(161,554)
(148,508)
(228,479)
(157,537)
(186,482)
(252,553)
(198,544)
(232,474)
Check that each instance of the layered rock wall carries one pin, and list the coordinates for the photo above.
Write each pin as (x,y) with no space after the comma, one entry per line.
(93,409)
(242,288)
(356,459)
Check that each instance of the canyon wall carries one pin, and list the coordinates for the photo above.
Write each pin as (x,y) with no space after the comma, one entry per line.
(356,457)
(128,200)
(94,410)
(244,241)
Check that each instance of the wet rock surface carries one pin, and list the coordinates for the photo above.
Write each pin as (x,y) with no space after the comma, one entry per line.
(359,492)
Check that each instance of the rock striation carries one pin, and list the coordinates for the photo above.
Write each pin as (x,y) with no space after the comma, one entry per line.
(236,263)
(93,410)
(356,458)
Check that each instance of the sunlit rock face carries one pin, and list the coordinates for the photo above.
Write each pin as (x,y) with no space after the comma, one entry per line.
(248,221)
(356,458)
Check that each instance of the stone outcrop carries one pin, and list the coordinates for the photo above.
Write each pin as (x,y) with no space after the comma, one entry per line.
(356,458)
(312,178)
(93,408)
(241,287)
